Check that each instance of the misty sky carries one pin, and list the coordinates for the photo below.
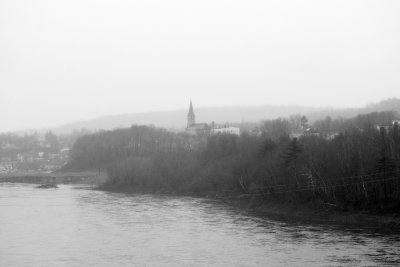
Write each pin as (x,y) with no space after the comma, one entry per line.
(62,61)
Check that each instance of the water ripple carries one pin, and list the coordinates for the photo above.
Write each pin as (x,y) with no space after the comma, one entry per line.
(73,226)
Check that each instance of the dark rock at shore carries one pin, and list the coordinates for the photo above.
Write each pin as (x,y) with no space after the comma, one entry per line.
(47,186)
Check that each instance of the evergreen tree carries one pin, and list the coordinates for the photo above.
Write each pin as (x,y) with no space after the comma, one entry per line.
(384,164)
(396,143)
(267,146)
(291,156)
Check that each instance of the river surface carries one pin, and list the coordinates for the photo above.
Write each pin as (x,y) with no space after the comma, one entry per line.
(76,226)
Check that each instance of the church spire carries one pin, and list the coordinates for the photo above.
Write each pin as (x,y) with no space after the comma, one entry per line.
(191,118)
(191,112)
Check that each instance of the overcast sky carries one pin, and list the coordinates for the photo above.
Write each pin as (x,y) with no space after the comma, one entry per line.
(62,61)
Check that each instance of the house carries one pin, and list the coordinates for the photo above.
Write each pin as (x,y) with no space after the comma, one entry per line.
(295,135)
(387,128)
(311,132)
(7,166)
(331,136)
(306,132)
(226,130)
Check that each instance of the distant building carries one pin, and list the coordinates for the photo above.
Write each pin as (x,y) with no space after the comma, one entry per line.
(194,128)
(206,129)
(295,135)
(191,118)
(7,166)
(226,130)
(331,136)
(307,132)
(311,132)
(387,128)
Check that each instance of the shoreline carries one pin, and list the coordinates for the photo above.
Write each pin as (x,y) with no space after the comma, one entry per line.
(83,177)
(305,212)
(318,214)
(313,213)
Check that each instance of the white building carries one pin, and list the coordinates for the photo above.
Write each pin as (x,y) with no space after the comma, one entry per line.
(226,130)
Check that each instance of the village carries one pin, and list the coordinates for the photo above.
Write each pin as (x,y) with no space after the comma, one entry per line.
(33,152)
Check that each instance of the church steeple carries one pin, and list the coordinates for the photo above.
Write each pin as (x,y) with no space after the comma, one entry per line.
(191,118)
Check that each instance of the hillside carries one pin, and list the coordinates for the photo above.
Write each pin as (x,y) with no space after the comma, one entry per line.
(176,119)
(384,105)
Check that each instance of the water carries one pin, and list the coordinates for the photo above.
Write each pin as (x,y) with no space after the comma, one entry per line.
(75,226)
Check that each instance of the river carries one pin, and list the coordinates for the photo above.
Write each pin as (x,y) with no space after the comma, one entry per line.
(76,226)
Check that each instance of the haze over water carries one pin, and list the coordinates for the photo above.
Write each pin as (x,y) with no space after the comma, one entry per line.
(75,226)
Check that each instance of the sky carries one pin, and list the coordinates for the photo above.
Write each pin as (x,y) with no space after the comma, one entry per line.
(63,61)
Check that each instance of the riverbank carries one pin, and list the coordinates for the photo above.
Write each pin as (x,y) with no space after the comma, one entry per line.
(321,213)
(318,213)
(314,213)
(84,177)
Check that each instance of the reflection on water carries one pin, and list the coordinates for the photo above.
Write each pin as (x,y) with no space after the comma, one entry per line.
(72,226)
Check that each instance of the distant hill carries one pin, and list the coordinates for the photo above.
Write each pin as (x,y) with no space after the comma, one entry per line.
(176,119)
(384,105)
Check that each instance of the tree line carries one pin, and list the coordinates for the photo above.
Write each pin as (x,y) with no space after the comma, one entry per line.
(349,163)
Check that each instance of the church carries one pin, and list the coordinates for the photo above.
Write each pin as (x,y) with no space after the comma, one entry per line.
(194,128)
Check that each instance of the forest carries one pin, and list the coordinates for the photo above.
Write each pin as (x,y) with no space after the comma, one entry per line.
(352,164)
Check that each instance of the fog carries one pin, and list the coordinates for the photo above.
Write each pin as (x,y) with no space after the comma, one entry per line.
(62,61)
